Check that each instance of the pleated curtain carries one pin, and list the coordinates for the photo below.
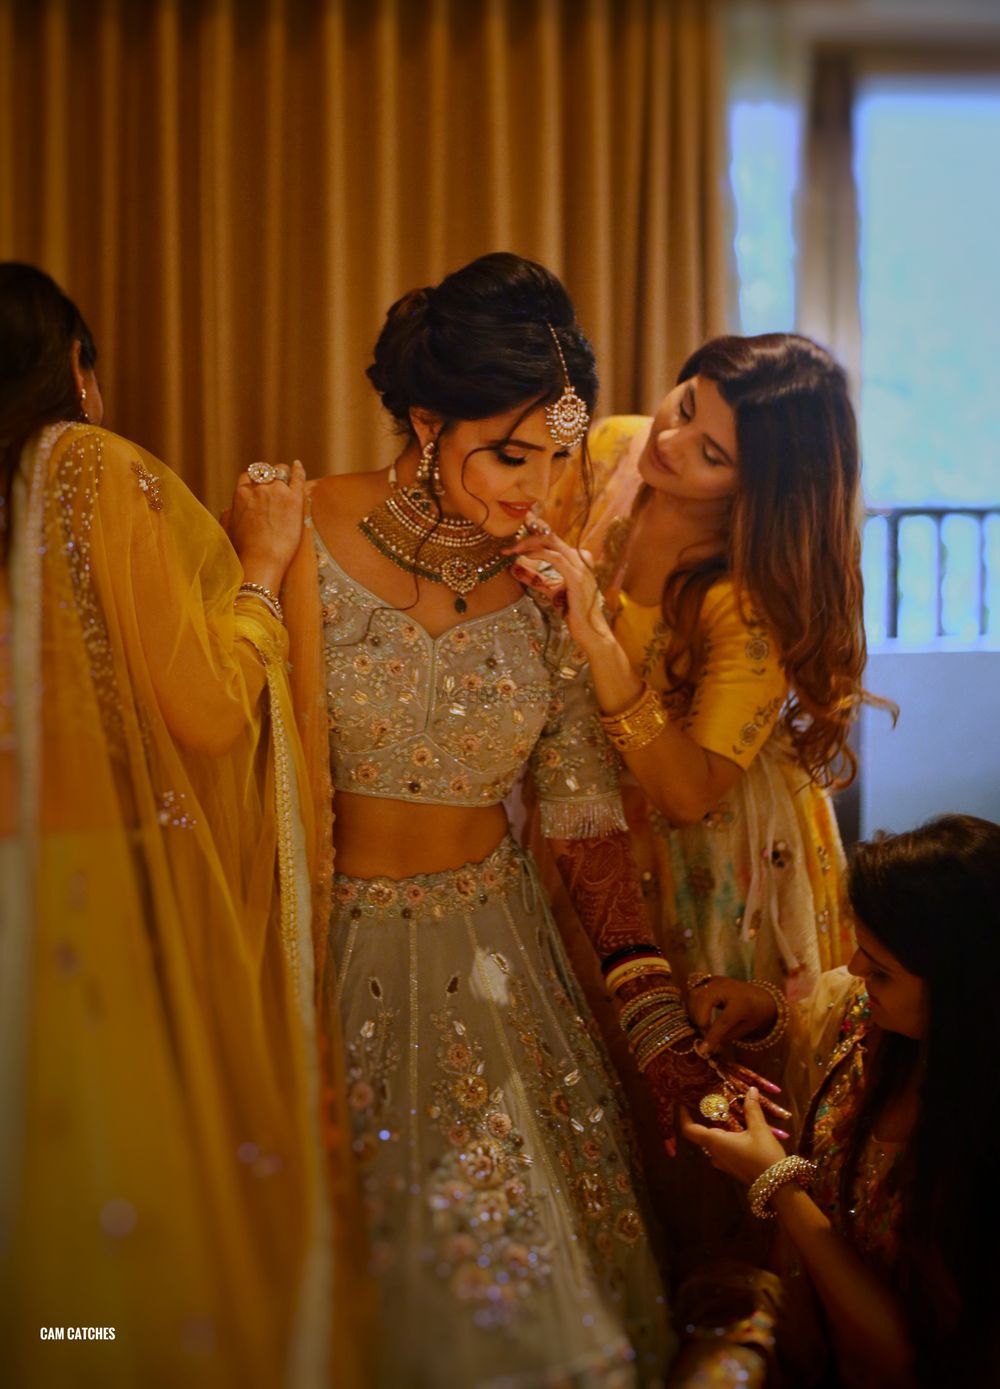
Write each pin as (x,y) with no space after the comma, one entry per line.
(234,191)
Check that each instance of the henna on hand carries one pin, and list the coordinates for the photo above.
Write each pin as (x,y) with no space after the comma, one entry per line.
(603,883)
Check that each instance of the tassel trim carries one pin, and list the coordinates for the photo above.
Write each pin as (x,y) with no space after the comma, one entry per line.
(590,817)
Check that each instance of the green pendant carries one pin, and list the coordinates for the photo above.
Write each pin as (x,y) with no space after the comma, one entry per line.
(460,604)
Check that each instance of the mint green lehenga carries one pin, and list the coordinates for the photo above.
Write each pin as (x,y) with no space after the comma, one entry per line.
(509,1244)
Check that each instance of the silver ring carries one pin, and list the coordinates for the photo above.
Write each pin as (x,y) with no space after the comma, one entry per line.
(261,473)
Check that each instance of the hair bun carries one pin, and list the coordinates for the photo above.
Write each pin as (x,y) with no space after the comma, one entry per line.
(478,344)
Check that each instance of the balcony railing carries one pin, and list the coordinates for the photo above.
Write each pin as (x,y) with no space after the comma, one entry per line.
(932,571)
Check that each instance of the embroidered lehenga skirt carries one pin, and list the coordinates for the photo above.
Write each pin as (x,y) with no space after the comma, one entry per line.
(508,1241)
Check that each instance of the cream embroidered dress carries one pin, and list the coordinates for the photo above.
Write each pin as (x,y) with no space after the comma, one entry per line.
(507,1238)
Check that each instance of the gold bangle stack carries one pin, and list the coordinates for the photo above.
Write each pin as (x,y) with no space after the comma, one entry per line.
(653,1022)
(661,1040)
(780,1023)
(630,1014)
(637,725)
(789,1169)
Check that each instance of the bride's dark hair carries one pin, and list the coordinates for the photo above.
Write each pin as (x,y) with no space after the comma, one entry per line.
(479,344)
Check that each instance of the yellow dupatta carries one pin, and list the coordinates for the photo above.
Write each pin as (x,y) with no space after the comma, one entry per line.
(159,1168)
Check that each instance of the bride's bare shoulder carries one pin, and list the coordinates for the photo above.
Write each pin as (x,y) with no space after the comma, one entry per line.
(345,496)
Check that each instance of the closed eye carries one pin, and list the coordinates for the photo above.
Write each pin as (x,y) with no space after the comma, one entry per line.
(510,459)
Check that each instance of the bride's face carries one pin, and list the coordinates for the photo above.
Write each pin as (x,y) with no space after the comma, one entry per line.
(496,470)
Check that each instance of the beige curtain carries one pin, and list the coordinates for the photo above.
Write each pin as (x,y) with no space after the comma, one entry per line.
(235,190)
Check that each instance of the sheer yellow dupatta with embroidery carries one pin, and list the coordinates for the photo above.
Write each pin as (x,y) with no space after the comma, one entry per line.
(161,1172)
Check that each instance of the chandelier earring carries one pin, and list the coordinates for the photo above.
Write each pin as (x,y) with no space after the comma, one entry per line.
(83,405)
(429,469)
(426,459)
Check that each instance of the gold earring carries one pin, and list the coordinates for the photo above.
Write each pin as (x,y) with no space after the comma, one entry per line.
(83,405)
(428,471)
(426,459)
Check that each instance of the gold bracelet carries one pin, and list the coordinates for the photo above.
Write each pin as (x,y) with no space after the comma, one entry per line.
(789,1169)
(780,1023)
(264,594)
(637,725)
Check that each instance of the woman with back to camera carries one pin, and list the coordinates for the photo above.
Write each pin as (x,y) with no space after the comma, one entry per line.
(507,1236)
(160,1164)
(887,1208)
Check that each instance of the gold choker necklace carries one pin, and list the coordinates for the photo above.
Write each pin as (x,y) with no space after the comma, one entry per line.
(409,529)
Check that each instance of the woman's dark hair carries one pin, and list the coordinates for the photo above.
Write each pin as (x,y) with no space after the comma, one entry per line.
(932,898)
(38,327)
(479,344)
(793,545)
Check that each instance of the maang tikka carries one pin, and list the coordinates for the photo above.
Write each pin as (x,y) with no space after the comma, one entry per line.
(567,418)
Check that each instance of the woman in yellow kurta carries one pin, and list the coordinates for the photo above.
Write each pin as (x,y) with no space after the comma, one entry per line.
(728,555)
(162,1178)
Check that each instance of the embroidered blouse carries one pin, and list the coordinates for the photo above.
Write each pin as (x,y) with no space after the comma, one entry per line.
(451,720)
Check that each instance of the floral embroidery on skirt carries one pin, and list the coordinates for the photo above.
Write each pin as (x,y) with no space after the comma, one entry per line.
(507,1237)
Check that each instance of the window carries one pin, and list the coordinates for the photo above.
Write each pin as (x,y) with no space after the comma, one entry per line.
(926,168)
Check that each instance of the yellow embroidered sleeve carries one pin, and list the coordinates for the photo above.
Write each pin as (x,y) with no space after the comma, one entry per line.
(741,686)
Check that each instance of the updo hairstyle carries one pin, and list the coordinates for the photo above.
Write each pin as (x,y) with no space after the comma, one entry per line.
(478,344)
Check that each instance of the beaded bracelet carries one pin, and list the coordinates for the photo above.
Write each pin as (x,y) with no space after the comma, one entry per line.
(633,970)
(265,595)
(789,1169)
(780,1022)
(637,725)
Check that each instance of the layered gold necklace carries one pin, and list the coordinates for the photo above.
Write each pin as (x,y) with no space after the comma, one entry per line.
(408,528)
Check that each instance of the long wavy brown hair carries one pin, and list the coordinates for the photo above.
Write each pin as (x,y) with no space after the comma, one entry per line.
(793,547)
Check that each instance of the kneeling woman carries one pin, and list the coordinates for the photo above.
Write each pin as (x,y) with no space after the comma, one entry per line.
(896,1229)
(507,1234)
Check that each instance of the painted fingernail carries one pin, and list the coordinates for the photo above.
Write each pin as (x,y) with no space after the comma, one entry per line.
(770,1086)
(780,1133)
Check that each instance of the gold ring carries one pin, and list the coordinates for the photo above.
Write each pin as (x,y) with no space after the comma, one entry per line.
(262,473)
(695,981)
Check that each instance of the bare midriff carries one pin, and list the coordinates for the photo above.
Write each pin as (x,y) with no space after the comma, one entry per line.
(376,838)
